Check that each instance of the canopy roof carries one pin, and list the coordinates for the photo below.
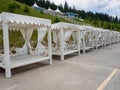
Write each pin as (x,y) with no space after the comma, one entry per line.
(17,21)
(35,5)
(87,28)
(50,9)
(64,25)
(101,30)
(57,10)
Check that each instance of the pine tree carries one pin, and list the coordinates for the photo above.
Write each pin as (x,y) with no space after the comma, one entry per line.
(53,6)
(61,8)
(66,7)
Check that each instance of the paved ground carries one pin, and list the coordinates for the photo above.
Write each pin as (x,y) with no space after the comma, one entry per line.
(84,72)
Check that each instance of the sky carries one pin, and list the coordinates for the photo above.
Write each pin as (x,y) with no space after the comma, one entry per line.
(111,7)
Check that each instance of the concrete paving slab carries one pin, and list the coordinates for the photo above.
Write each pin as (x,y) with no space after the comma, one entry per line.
(60,76)
(104,57)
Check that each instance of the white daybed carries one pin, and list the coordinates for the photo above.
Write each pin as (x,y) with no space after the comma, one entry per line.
(108,37)
(25,55)
(87,38)
(61,35)
(99,37)
(118,38)
(113,37)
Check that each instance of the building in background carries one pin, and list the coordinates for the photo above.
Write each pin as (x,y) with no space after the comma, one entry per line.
(71,15)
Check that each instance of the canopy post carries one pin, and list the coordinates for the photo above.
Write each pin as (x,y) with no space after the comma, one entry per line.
(110,38)
(92,39)
(78,41)
(6,50)
(83,41)
(117,38)
(62,43)
(106,38)
(102,36)
(96,39)
(49,45)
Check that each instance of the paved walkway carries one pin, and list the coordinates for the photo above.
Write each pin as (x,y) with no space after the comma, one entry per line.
(84,72)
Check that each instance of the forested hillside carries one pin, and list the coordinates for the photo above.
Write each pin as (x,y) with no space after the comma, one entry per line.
(102,20)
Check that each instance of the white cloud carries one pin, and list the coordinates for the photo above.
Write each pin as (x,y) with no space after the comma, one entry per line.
(111,7)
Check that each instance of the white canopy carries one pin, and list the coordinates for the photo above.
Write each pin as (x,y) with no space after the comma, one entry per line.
(19,22)
(35,5)
(57,10)
(87,28)
(65,26)
(49,9)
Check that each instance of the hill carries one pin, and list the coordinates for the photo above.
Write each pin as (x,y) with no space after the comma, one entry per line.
(101,20)
(19,8)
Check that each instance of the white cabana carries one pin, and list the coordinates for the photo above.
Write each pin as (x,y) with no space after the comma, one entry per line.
(25,55)
(49,9)
(87,38)
(118,37)
(57,10)
(113,37)
(99,38)
(35,5)
(62,32)
(106,37)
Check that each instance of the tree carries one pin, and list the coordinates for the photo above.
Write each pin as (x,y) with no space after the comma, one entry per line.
(22,1)
(61,8)
(29,2)
(26,9)
(53,6)
(47,5)
(116,19)
(66,7)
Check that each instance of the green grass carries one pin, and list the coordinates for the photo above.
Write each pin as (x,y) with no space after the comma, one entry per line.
(19,9)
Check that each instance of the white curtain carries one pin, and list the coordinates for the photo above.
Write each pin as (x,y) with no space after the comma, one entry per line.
(68,33)
(75,36)
(82,34)
(55,36)
(100,35)
(41,34)
(85,35)
(90,36)
(40,49)
(103,37)
(27,35)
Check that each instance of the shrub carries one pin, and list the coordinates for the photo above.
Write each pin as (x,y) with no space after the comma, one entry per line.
(26,9)
(56,20)
(13,6)
(41,12)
